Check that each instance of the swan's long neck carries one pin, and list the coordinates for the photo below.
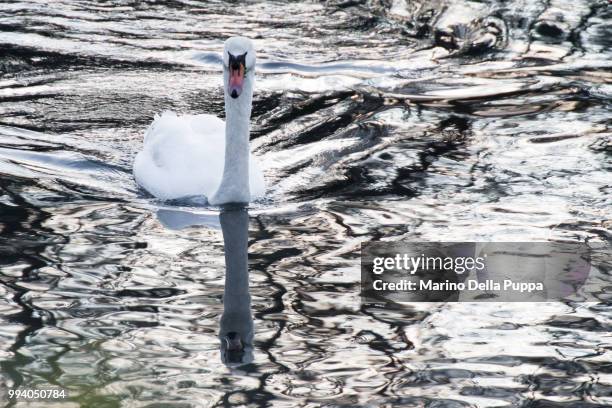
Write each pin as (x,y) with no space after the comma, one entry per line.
(234,187)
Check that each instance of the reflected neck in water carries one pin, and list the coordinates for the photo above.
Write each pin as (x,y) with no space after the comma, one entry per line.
(236,331)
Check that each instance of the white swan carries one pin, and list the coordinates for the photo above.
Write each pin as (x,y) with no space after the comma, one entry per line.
(196,155)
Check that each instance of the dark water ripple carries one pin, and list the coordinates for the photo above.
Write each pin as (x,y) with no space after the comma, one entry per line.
(375,120)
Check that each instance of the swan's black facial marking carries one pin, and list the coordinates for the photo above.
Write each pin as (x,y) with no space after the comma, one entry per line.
(235,61)
(237,71)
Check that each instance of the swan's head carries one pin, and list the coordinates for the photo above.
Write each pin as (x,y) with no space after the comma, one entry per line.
(239,64)
(236,351)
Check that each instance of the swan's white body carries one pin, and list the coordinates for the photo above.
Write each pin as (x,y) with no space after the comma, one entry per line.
(183,156)
(195,155)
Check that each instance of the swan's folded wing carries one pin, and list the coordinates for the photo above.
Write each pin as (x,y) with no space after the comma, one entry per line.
(208,125)
(182,156)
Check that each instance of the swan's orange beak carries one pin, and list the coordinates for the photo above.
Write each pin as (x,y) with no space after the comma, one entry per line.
(236,79)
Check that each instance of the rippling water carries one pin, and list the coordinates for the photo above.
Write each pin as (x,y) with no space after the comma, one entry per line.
(374,120)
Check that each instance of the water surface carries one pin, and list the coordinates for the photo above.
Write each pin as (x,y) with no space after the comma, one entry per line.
(374,120)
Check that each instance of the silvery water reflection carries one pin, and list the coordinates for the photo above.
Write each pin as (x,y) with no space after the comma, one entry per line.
(236,323)
(375,120)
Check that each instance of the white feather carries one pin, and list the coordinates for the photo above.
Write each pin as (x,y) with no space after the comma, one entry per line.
(183,156)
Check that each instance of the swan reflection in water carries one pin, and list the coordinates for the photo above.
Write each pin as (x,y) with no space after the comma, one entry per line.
(236,332)
(236,326)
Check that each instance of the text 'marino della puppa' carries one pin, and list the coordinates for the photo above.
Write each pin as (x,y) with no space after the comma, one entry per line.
(473,271)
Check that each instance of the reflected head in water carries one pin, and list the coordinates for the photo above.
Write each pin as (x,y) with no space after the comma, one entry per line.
(236,331)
